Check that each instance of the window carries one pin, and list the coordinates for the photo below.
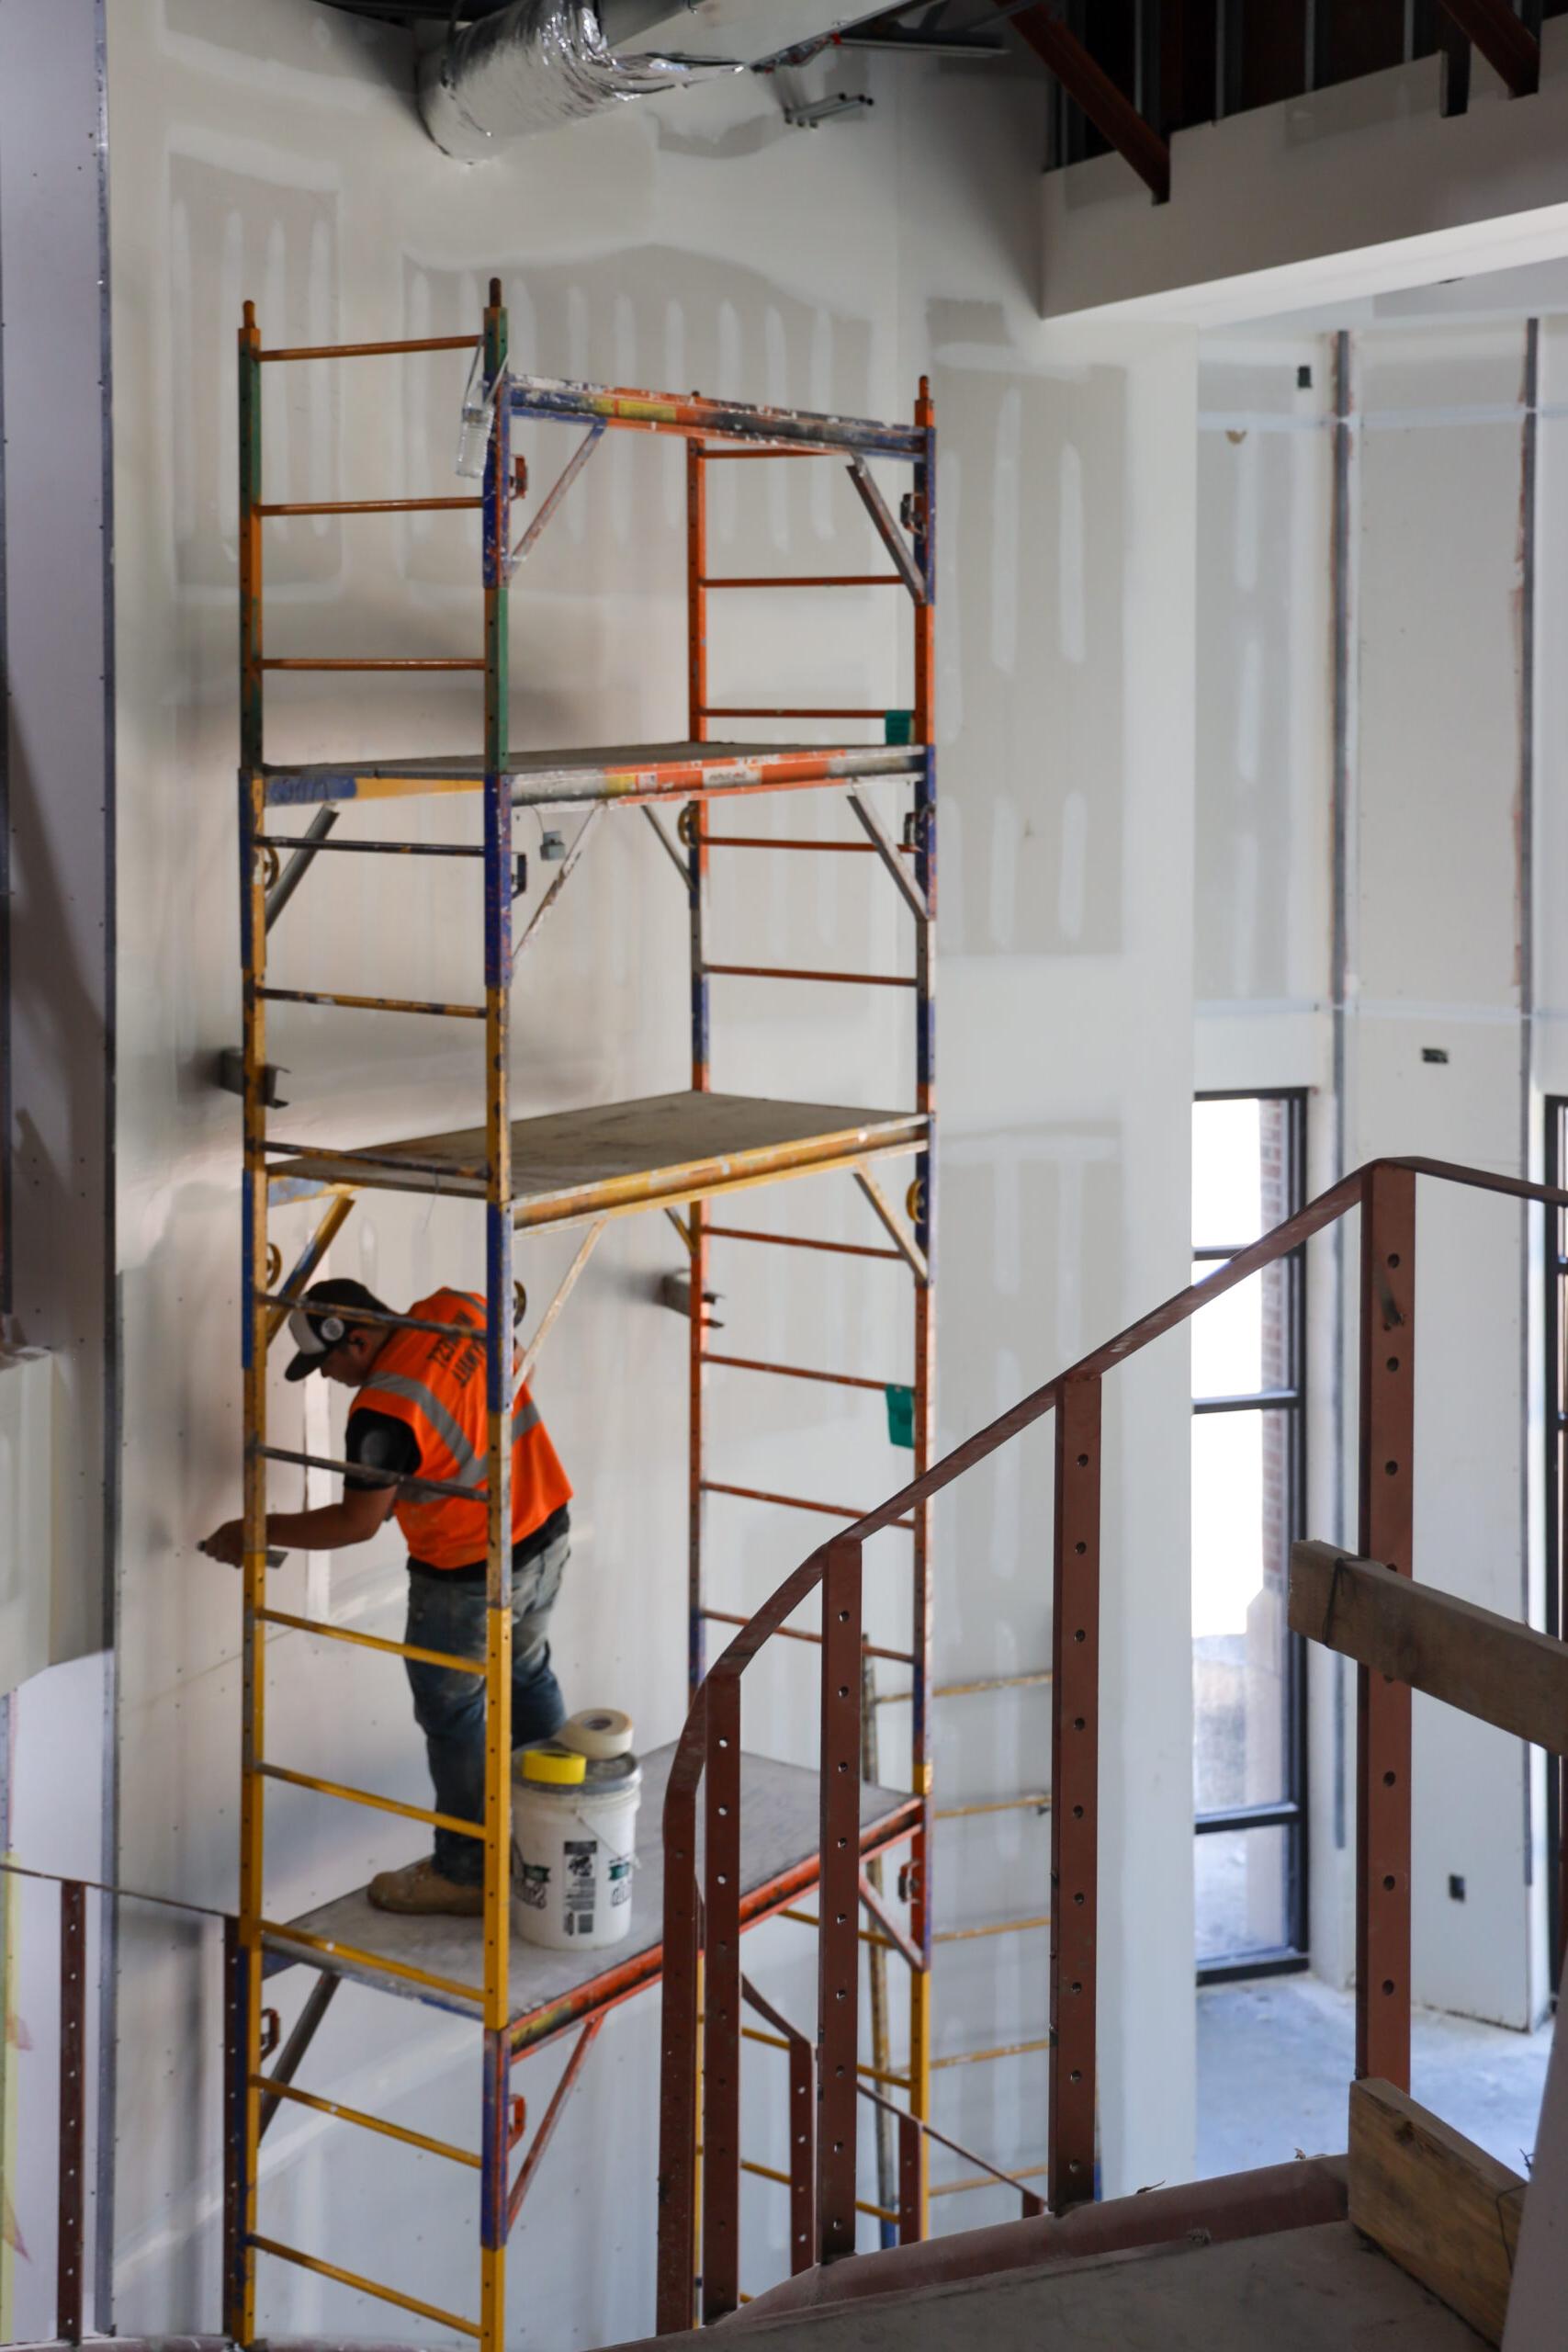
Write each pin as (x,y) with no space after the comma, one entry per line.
(1249,1481)
(1556,1493)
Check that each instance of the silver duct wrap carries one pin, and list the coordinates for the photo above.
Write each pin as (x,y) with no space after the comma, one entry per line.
(532,68)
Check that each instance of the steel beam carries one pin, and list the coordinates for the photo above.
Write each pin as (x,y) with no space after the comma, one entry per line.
(1508,46)
(1091,89)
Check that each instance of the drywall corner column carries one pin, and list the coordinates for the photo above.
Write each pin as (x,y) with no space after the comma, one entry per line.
(56,772)
(1147,2022)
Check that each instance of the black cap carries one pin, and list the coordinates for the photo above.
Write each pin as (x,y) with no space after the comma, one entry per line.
(318,1327)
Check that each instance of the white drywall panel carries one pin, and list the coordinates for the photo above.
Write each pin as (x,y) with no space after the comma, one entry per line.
(1438,920)
(270,150)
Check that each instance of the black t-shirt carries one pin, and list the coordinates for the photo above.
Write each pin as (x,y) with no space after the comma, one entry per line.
(380,1441)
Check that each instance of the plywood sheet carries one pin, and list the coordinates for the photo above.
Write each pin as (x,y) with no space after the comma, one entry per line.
(1299,2290)
(594,771)
(616,1157)
(779,1834)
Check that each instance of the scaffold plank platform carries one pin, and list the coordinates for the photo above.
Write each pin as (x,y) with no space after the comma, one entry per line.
(552,1990)
(626,772)
(616,1159)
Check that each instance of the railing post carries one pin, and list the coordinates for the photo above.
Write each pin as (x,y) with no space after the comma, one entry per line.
(1075,1790)
(838,1984)
(1383,1708)
(910,2181)
(73,2117)
(721,2001)
(675,2304)
(802,2152)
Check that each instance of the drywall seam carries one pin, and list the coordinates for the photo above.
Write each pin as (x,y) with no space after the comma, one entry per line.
(1524,835)
(109,1910)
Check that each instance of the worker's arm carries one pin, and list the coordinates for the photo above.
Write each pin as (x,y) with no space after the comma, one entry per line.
(354,1519)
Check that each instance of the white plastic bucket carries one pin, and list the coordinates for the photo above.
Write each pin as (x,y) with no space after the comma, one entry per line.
(574,1854)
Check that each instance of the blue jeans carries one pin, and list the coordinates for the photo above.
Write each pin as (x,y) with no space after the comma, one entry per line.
(450,1707)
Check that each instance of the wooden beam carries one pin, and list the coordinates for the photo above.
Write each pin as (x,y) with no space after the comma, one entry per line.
(1437,2205)
(1470,1658)
(1088,86)
(1508,46)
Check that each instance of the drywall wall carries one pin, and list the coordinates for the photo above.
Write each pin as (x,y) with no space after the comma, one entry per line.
(57,784)
(1452,793)
(271,151)
(1350,190)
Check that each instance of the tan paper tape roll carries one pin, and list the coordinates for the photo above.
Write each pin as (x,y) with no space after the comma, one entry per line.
(597,1733)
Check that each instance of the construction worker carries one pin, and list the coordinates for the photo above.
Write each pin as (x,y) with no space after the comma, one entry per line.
(420,1412)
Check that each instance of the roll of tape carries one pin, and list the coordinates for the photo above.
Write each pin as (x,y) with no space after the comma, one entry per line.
(597,1733)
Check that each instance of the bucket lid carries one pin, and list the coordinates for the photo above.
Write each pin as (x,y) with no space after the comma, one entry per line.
(553,1765)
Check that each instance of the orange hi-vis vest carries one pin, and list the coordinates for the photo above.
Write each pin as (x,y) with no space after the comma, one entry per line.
(438,1386)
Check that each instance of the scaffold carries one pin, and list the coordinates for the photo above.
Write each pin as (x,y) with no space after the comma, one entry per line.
(681,1153)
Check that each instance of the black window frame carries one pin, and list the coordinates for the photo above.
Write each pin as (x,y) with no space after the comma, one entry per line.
(1290,1812)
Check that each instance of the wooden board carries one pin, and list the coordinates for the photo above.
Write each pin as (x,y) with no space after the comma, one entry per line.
(617,1158)
(778,1835)
(596,771)
(1491,1666)
(1435,2203)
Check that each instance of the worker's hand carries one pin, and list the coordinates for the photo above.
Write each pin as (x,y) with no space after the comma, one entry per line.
(226,1543)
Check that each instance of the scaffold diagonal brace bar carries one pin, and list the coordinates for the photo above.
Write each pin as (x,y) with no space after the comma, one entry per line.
(889,1926)
(569,867)
(871,824)
(568,473)
(667,845)
(888,531)
(567,1284)
(908,1249)
(310,1257)
(293,873)
(552,2116)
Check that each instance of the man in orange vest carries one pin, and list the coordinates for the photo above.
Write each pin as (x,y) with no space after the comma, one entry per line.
(419,1413)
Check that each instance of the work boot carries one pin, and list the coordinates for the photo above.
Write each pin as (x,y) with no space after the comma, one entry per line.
(419,1886)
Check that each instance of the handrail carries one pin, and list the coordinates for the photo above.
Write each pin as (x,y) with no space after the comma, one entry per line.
(710,1741)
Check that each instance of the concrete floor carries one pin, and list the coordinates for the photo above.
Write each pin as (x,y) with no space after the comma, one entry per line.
(1274,2062)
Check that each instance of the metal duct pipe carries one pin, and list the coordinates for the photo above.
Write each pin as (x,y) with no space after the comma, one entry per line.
(542,63)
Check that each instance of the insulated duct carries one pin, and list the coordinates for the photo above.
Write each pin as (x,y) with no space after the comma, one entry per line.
(544,62)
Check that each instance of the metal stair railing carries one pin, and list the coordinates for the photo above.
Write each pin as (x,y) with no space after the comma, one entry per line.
(702,1923)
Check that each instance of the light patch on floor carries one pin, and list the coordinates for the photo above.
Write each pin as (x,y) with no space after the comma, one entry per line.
(1275,2058)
